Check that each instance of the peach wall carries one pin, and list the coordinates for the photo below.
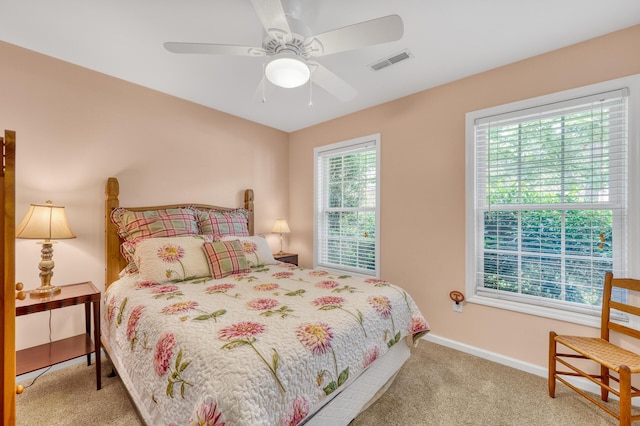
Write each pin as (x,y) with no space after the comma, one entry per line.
(76,127)
(423,185)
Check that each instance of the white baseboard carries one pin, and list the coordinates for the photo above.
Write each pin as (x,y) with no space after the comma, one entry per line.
(491,356)
(583,384)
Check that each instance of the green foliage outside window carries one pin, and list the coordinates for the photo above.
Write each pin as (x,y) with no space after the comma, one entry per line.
(530,246)
(350,216)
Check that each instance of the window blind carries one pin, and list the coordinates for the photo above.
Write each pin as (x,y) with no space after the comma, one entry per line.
(551,200)
(347,199)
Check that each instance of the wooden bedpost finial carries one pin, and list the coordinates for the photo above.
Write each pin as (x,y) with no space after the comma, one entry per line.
(248,199)
(112,189)
(248,205)
(111,240)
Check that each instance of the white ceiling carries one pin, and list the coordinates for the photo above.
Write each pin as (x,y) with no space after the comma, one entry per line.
(449,40)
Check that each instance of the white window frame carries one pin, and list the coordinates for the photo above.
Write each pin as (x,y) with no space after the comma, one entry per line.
(346,147)
(633,201)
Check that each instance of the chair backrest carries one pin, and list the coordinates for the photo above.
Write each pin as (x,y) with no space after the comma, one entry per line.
(608,305)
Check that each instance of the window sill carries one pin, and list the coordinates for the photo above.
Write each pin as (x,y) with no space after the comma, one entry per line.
(541,311)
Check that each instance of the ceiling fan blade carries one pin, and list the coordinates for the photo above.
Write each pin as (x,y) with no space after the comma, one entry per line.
(272,16)
(332,83)
(214,49)
(367,33)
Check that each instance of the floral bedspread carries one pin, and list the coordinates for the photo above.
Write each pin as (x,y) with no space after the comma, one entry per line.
(261,348)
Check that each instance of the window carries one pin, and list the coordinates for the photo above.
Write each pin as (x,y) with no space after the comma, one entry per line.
(548,201)
(346,206)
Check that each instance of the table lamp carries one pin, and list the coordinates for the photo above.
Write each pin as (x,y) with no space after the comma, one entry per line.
(281,227)
(45,222)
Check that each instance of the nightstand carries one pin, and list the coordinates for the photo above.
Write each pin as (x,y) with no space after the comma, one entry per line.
(287,257)
(38,357)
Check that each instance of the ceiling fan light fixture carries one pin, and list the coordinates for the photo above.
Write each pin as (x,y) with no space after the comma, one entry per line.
(287,71)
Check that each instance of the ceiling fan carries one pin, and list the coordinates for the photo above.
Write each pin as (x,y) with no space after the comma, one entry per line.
(290,50)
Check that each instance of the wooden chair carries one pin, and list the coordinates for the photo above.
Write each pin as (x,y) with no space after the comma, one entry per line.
(609,357)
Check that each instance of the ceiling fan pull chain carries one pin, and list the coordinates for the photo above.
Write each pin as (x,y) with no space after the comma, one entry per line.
(310,92)
(264,100)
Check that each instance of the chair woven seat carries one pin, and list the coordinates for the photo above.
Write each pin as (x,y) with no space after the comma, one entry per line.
(616,365)
(602,352)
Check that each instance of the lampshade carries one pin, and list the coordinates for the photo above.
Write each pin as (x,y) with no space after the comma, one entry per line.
(287,70)
(45,222)
(281,227)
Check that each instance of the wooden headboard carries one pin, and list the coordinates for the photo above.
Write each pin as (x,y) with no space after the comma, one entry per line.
(115,262)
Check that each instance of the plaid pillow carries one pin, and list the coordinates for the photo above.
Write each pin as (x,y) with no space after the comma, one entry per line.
(225,258)
(154,223)
(222,223)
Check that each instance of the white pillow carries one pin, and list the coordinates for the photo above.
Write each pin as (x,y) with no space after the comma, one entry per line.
(172,259)
(256,250)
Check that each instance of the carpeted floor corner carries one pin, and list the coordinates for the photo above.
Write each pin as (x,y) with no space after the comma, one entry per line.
(69,397)
(438,386)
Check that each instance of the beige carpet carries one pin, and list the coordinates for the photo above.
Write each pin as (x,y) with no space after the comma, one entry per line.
(437,386)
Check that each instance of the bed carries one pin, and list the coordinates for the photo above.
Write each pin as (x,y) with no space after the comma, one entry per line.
(204,327)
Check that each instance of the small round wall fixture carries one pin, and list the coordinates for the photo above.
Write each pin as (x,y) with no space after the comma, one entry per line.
(456,296)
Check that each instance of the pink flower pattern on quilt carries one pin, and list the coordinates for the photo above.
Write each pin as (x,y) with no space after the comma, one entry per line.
(372,354)
(207,415)
(262,304)
(180,307)
(418,325)
(163,353)
(163,289)
(327,303)
(328,284)
(146,284)
(134,317)
(299,410)
(244,333)
(283,274)
(111,310)
(316,337)
(219,288)
(259,322)
(381,304)
(266,287)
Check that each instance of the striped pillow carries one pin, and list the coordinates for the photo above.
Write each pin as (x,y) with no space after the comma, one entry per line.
(222,222)
(225,258)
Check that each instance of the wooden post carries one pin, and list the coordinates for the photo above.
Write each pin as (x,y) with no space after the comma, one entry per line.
(111,240)
(8,302)
(248,205)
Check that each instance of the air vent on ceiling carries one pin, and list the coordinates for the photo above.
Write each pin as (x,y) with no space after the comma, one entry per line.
(391,60)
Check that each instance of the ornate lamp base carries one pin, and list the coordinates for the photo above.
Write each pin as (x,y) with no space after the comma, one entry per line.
(46,272)
(45,291)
